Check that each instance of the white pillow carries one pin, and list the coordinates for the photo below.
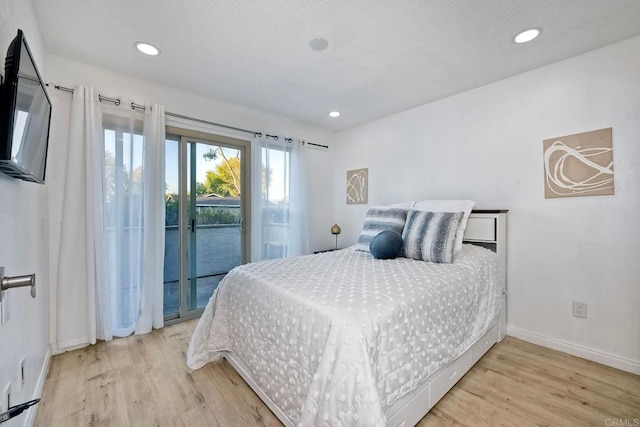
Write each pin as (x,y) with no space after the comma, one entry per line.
(402,205)
(449,206)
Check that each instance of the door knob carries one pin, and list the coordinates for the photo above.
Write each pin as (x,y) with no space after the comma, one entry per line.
(7,283)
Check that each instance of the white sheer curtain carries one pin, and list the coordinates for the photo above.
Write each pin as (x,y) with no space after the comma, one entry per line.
(298,200)
(134,216)
(110,268)
(152,290)
(279,205)
(82,299)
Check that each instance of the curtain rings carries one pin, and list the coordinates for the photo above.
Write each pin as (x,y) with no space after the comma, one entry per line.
(115,101)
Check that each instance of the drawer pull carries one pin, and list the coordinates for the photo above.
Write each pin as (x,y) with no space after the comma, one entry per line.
(452,376)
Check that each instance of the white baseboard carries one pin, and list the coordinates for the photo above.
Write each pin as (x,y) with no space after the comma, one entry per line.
(63,347)
(594,355)
(31,412)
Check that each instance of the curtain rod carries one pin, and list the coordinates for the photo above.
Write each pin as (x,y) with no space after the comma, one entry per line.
(134,106)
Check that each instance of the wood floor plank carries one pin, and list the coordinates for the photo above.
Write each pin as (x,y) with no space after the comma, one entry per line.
(474,407)
(144,381)
(561,388)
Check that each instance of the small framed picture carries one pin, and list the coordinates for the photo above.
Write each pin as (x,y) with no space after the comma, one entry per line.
(358,186)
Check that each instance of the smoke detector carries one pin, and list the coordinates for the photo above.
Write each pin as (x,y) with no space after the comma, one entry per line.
(318,44)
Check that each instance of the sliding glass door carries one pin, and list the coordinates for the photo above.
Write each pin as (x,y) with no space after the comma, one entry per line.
(207,185)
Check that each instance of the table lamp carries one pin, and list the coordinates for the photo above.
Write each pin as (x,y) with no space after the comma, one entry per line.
(335,230)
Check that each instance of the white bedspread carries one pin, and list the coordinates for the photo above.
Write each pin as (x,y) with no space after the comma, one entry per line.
(337,337)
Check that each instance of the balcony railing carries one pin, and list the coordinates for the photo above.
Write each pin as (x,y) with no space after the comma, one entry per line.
(218,250)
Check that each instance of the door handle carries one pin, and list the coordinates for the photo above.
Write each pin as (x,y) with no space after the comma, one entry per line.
(241,223)
(7,283)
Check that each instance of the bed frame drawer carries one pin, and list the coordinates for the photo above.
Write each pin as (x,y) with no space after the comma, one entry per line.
(447,378)
(451,374)
(483,345)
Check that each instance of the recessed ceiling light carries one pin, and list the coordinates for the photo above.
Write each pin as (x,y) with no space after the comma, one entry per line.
(147,49)
(527,35)
(334,114)
(318,44)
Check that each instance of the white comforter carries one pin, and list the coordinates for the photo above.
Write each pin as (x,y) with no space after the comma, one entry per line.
(337,337)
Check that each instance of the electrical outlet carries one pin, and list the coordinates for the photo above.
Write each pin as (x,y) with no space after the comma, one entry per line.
(5,398)
(580,309)
(20,376)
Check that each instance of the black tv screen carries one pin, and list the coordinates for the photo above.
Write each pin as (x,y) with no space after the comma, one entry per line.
(25,115)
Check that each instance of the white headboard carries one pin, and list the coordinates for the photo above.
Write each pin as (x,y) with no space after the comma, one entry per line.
(488,228)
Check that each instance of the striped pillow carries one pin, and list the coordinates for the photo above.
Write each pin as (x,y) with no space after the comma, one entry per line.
(431,236)
(377,220)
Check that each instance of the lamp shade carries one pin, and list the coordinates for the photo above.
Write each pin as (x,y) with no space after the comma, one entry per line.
(335,229)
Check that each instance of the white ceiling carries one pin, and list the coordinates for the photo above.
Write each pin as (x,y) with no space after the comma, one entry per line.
(384,56)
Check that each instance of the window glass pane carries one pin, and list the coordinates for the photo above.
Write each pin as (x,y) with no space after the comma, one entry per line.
(123,209)
(275,206)
(172,232)
(215,245)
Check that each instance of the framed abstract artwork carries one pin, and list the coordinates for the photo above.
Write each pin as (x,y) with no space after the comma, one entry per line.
(358,186)
(579,165)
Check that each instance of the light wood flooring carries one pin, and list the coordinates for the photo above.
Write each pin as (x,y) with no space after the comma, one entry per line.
(144,381)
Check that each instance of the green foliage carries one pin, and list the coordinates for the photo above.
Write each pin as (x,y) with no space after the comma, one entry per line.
(204,216)
(210,216)
(172,213)
(224,180)
(201,189)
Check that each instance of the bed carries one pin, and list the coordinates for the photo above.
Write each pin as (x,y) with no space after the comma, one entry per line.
(340,338)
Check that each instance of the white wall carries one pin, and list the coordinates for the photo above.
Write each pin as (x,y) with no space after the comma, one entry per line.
(486,145)
(23,244)
(69,73)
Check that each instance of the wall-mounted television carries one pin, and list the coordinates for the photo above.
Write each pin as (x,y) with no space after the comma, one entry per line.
(25,115)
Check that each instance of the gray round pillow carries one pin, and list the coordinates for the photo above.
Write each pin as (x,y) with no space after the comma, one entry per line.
(386,245)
